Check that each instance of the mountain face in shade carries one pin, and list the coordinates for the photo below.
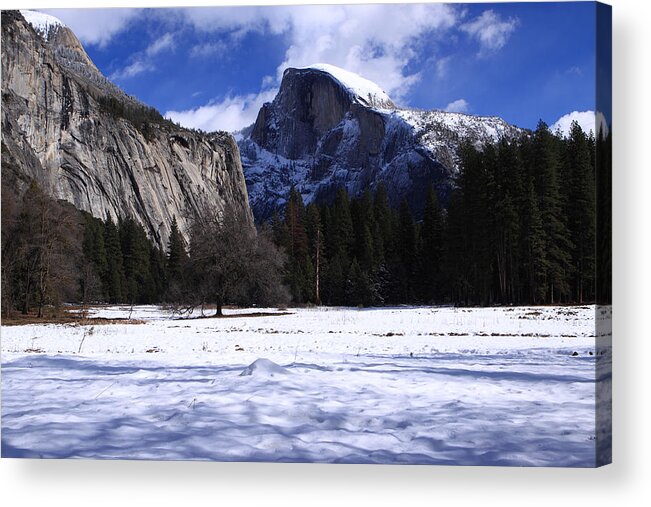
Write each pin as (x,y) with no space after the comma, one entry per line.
(328,128)
(85,141)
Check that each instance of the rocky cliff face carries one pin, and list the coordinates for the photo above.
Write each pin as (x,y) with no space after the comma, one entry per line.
(83,140)
(328,128)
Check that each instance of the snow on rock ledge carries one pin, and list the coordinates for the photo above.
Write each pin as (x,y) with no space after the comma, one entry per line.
(44,24)
(364,91)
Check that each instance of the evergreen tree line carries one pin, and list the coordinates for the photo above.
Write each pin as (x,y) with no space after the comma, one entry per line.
(139,115)
(520,228)
(120,264)
(52,253)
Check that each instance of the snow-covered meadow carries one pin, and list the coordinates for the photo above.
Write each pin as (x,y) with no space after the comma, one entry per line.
(484,386)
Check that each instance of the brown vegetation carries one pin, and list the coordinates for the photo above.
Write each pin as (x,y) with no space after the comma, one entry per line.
(63,317)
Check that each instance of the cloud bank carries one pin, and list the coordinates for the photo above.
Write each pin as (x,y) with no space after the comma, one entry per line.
(375,41)
(587,120)
(95,26)
(230,114)
(490,30)
(144,61)
(458,106)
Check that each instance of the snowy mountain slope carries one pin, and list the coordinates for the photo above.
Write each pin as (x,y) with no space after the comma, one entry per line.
(328,128)
(44,24)
(364,92)
(70,54)
(440,132)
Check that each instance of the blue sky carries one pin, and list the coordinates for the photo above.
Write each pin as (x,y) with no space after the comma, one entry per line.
(212,68)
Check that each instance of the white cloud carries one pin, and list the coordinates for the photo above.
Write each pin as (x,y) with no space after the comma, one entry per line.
(230,114)
(163,43)
(95,26)
(458,106)
(131,70)
(241,19)
(375,41)
(490,30)
(442,65)
(142,61)
(208,49)
(268,81)
(586,119)
(575,70)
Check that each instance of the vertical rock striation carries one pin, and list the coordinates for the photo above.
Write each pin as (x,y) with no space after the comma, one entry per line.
(87,142)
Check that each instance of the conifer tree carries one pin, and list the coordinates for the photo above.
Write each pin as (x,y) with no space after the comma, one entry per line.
(581,212)
(603,266)
(326,227)
(475,224)
(456,252)
(358,291)
(113,279)
(135,253)
(431,246)
(363,224)
(383,217)
(342,227)
(315,237)
(279,231)
(176,254)
(544,162)
(300,272)
(334,290)
(533,263)
(507,198)
(406,252)
(94,259)
(157,273)
(294,221)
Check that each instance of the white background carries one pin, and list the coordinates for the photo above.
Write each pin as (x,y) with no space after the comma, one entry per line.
(626,482)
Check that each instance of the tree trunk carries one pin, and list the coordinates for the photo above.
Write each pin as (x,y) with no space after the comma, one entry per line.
(26,301)
(318,248)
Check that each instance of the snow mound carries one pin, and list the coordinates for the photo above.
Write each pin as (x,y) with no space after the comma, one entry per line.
(366,92)
(44,24)
(263,368)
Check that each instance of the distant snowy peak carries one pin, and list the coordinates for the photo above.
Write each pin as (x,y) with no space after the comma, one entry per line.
(430,125)
(328,128)
(44,24)
(363,91)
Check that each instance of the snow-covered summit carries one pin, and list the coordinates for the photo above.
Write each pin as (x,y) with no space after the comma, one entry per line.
(364,91)
(317,141)
(44,24)
(436,129)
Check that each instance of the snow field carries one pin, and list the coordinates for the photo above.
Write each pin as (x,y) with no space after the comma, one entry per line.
(402,385)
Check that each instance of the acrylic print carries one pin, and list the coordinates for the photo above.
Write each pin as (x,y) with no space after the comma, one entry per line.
(338,234)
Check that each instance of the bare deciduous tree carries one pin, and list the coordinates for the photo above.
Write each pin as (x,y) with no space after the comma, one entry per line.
(231,262)
(40,258)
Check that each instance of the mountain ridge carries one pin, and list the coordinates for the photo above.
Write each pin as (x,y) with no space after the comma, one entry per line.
(86,141)
(320,133)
